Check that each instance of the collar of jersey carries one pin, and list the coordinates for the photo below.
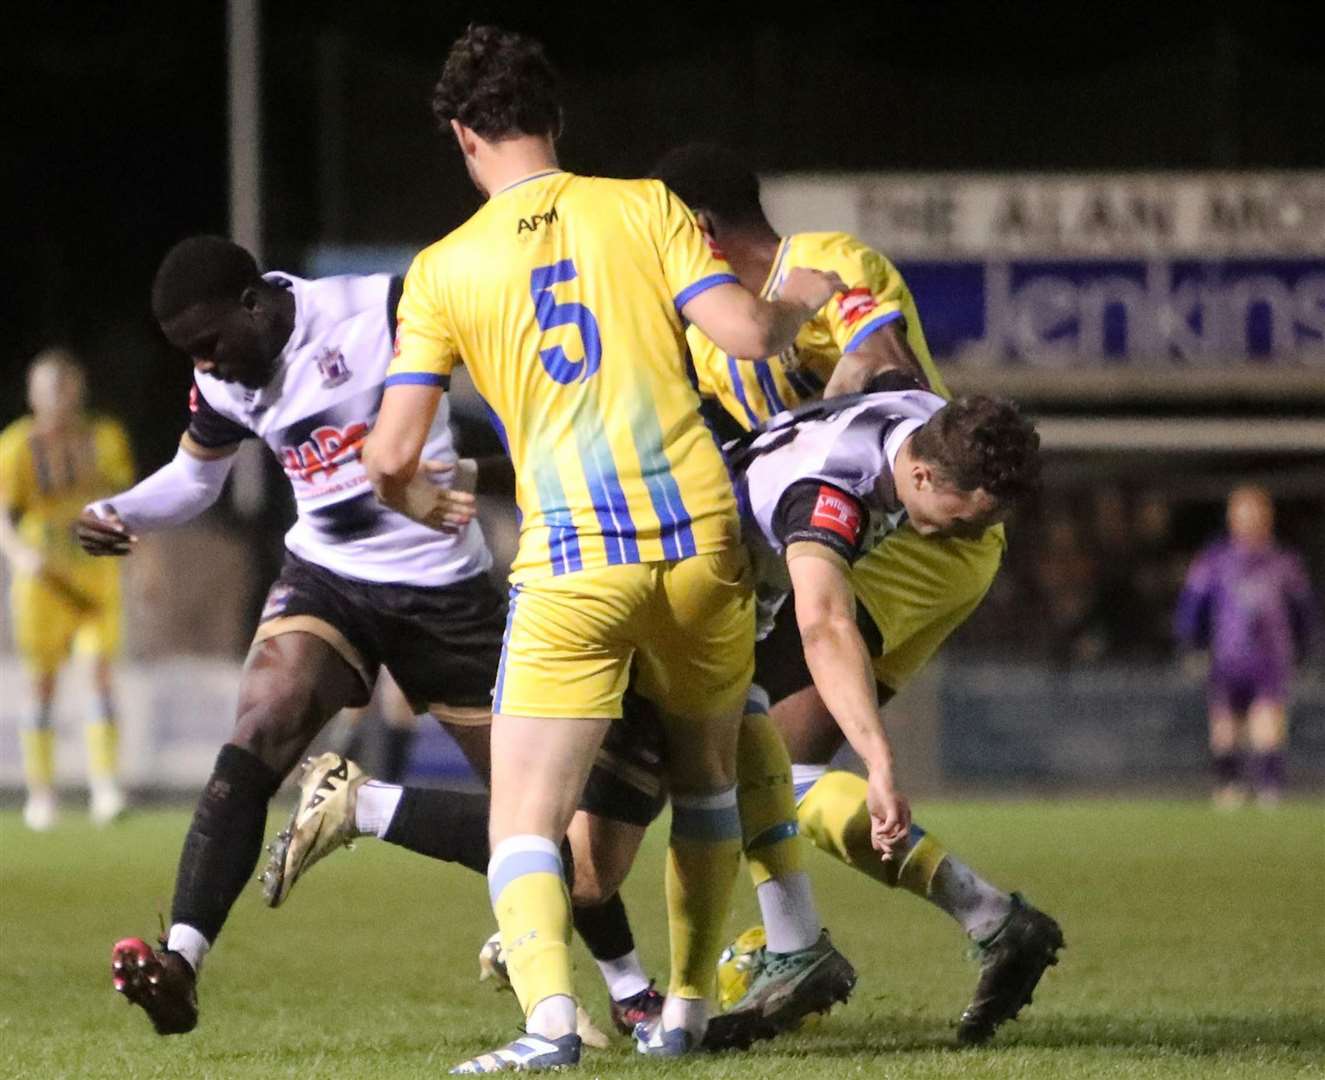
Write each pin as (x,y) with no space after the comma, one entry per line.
(771,283)
(525,180)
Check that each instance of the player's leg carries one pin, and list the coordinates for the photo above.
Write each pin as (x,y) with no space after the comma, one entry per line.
(1267,730)
(293,683)
(1226,715)
(44,626)
(98,638)
(695,663)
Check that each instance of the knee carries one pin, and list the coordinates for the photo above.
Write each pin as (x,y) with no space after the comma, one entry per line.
(276,724)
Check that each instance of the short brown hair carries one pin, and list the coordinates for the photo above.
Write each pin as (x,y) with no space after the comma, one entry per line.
(982,442)
(500,84)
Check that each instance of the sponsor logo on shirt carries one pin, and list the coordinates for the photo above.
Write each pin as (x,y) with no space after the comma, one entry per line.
(838,513)
(855,304)
(277,600)
(324,451)
(331,362)
(532,223)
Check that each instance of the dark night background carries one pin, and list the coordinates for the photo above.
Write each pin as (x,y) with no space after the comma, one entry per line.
(118,145)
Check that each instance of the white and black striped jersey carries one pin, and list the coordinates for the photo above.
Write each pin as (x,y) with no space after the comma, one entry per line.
(822,473)
(315,413)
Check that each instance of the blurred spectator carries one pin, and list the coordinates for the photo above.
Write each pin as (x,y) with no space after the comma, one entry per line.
(1248,601)
(52,463)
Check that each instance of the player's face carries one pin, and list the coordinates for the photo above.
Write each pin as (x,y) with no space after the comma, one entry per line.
(234,342)
(1251,517)
(940,510)
(55,393)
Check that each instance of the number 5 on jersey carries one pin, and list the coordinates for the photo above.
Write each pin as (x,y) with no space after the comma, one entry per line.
(550,314)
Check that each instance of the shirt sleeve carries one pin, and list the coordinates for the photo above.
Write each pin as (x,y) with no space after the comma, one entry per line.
(210,433)
(114,458)
(874,297)
(814,512)
(425,350)
(689,264)
(13,477)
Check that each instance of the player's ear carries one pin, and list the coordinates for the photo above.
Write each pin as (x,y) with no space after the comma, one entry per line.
(250,299)
(464,137)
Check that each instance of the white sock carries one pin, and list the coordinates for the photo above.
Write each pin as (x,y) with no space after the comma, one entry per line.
(980,907)
(624,976)
(791,921)
(375,806)
(689,1013)
(553,1017)
(189,943)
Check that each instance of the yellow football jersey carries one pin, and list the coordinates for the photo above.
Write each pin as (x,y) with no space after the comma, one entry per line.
(46,480)
(562,297)
(752,391)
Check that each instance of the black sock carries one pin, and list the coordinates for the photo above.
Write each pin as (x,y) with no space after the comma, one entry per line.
(396,757)
(224,840)
(447,825)
(1228,767)
(605,928)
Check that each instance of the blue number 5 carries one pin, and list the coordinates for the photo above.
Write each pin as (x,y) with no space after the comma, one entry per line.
(550,314)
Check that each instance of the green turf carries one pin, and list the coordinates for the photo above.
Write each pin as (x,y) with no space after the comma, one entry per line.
(1196,949)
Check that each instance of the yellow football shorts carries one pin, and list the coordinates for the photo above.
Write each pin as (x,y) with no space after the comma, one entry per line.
(919,591)
(71,611)
(686,625)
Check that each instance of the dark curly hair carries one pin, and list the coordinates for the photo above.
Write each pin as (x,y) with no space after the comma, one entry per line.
(982,442)
(200,269)
(711,177)
(498,83)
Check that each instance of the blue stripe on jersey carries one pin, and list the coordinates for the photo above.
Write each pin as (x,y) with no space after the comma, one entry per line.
(675,534)
(505,642)
(738,386)
(701,286)
(563,539)
(869,328)
(764,374)
(609,499)
(417,378)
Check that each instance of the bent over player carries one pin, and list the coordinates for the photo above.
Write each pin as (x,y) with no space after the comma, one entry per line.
(567,296)
(51,464)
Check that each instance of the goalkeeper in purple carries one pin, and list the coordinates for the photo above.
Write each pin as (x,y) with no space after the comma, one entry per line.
(1249,602)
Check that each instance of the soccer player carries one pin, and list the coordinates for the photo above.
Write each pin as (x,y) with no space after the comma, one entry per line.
(299,364)
(913,591)
(1248,600)
(51,463)
(567,297)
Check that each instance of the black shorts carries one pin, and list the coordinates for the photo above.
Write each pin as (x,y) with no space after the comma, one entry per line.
(780,666)
(627,782)
(441,644)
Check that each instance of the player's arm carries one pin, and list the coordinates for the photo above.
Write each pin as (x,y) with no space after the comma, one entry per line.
(749,328)
(707,293)
(884,350)
(822,529)
(22,557)
(417,378)
(177,492)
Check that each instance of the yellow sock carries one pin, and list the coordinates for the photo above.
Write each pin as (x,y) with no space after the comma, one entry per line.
(834,817)
(103,742)
(702,864)
(533,913)
(39,757)
(766,800)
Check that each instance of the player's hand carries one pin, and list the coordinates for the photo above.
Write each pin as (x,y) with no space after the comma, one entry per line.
(27,561)
(460,475)
(890,814)
(103,533)
(811,289)
(431,500)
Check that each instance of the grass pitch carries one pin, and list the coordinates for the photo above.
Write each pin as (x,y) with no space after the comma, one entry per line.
(1196,948)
